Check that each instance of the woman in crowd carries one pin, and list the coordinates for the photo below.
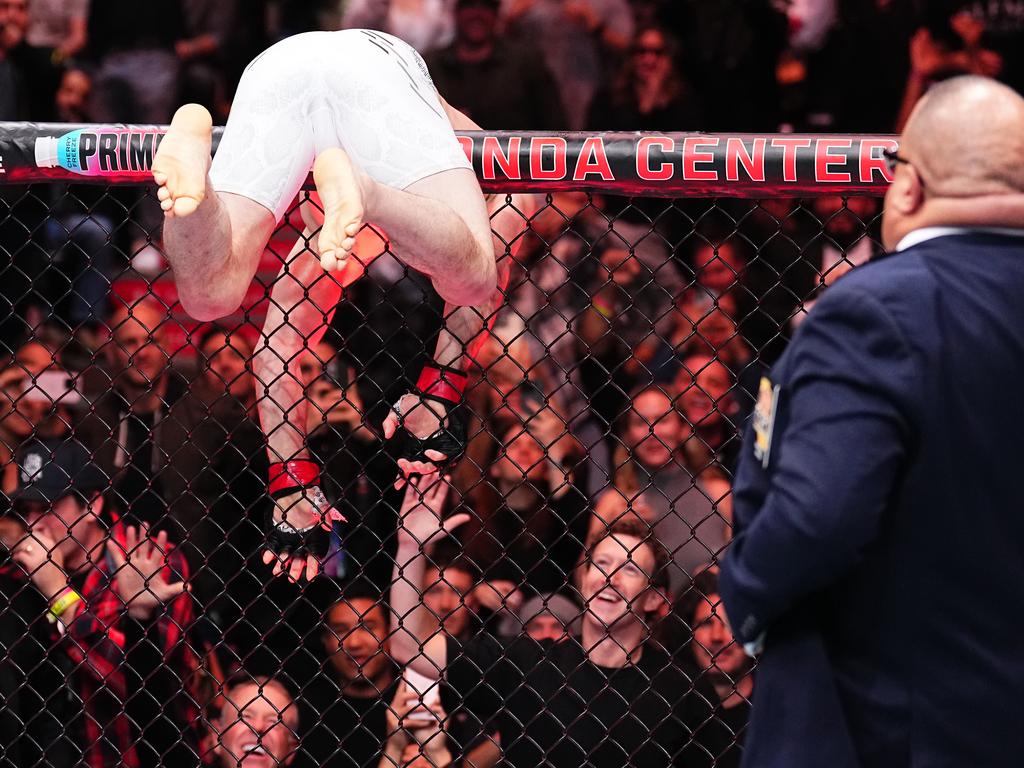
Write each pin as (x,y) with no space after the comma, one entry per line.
(658,478)
(531,509)
(650,92)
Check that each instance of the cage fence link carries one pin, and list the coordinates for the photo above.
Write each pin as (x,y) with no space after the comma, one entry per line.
(576,608)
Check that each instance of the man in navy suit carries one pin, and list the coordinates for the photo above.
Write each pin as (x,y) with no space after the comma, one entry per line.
(879,559)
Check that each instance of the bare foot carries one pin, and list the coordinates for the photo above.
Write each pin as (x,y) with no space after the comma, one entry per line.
(342,191)
(182,162)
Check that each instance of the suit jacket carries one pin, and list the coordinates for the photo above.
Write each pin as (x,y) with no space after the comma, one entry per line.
(878,504)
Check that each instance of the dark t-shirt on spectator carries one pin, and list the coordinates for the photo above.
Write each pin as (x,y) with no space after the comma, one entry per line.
(347,732)
(553,707)
(128,25)
(13,103)
(611,112)
(536,548)
(153,685)
(511,90)
(35,78)
(36,707)
(726,729)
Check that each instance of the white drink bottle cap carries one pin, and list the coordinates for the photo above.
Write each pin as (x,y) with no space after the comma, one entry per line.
(46,152)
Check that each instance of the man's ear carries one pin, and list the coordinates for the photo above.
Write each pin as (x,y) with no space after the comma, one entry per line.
(907,192)
(109,350)
(655,604)
(292,749)
(471,600)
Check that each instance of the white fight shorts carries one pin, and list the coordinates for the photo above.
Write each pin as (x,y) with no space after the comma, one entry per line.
(364,91)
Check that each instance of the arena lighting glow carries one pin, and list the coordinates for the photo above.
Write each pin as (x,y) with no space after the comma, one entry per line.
(638,164)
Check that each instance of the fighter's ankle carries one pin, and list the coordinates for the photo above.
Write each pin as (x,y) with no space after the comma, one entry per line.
(369,191)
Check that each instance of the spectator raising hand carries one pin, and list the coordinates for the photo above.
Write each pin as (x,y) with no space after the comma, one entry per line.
(140,579)
(88,580)
(37,553)
(420,516)
(498,594)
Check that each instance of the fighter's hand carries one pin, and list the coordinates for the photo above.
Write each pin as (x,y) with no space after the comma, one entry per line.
(422,418)
(298,539)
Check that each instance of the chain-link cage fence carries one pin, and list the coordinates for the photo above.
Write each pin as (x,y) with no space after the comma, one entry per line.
(570,619)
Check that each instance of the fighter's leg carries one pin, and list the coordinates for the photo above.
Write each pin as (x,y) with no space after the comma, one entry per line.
(438,225)
(221,214)
(386,150)
(212,240)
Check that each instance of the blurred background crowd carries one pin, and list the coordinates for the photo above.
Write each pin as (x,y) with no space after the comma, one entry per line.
(614,386)
(737,65)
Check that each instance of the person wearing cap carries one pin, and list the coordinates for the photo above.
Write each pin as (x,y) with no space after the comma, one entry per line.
(551,616)
(117,606)
(877,562)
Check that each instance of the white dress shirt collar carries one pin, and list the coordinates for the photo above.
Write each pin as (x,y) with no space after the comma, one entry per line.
(924,234)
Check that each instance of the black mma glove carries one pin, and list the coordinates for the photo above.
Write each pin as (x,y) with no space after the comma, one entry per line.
(444,386)
(287,477)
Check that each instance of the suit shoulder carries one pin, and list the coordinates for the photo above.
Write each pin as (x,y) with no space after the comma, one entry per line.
(892,279)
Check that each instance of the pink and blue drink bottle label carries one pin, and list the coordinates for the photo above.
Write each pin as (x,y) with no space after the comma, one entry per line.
(88,152)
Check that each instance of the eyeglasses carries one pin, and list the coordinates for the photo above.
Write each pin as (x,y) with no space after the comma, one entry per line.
(892,159)
(655,50)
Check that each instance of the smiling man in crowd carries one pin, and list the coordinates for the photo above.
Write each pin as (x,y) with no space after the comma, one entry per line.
(351,697)
(608,699)
(257,723)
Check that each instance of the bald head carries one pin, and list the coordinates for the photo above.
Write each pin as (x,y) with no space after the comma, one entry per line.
(964,147)
(966,138)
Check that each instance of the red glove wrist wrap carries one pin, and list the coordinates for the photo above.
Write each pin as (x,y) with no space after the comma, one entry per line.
(297,473)
(445,383)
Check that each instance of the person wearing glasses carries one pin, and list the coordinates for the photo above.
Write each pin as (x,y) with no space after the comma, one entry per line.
(649,93)
(877,501)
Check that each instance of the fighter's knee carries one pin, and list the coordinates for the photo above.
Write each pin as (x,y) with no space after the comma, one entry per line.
(207,313)
(206,307)
(471,289)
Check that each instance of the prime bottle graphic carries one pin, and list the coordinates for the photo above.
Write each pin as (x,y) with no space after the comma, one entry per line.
(99,153)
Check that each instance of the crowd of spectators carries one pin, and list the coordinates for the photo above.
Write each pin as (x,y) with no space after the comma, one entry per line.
(578,604)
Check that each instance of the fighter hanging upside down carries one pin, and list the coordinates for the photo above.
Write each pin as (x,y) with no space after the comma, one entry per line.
(359,108)
(428,422)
